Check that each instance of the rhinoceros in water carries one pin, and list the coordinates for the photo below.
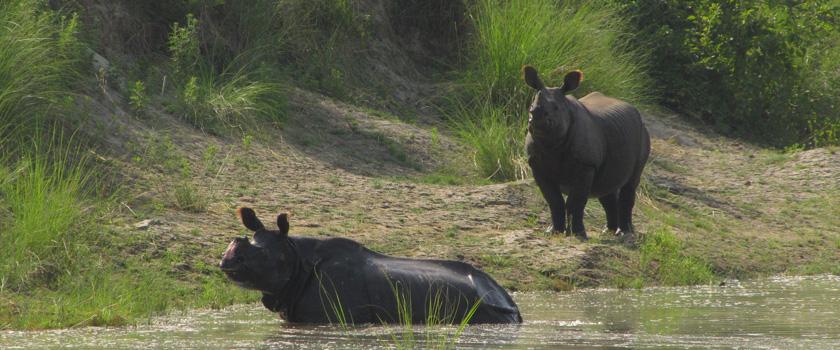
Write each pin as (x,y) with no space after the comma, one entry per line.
(593,147)
(337,280)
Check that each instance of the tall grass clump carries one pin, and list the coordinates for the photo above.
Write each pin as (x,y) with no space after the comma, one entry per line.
(39,59)
(42,183)
(43,192)
(495,134)
(553,37)
(212,97)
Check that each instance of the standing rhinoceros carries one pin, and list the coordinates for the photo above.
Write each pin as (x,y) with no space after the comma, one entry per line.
(593,147)
(310,280)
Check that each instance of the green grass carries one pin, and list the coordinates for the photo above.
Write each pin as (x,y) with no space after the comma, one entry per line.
(232,99)
(106,293)
(554,39)
(43,198)
(39,58)
(663,261)
(188,198)
(217,100)
(496,137)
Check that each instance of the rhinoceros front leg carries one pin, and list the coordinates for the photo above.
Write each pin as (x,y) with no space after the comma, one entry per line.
(555,201)
(577,202)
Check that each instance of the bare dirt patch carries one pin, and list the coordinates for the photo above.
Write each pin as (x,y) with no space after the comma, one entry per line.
(329,169)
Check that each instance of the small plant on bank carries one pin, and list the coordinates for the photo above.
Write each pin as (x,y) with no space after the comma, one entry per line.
(138,100)
(188,198)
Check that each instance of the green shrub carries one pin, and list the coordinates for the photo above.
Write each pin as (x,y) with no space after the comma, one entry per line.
(184,46)
(138,100)
(759,68)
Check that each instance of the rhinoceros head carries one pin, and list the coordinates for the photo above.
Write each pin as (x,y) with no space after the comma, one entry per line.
(550,112)
(266,263)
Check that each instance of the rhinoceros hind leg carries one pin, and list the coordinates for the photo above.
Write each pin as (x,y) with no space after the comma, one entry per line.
(610,204)
(626,201)
(551,229)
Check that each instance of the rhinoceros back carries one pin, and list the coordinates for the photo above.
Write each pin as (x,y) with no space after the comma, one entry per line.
(626,139)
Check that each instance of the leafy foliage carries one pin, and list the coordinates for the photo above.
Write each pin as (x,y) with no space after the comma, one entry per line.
(759,68)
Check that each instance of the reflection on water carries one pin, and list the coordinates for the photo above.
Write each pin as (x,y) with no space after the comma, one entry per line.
(777,313)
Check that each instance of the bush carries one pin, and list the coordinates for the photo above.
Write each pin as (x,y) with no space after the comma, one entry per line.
(762,69)
(555,39)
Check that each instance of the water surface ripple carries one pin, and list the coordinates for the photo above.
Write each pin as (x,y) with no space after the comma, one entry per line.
(775,313)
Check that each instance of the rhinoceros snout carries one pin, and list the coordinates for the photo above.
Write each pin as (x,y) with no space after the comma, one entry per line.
(230,259)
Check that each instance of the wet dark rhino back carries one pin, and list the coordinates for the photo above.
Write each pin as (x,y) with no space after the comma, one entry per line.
(455,286)
(375,288)
(338,280)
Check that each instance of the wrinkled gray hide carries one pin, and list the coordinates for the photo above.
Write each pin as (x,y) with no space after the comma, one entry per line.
(596,146)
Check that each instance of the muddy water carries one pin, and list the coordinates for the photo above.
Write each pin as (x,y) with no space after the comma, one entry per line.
(776,313)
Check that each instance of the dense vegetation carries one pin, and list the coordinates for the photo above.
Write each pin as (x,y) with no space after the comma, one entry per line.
(764,70)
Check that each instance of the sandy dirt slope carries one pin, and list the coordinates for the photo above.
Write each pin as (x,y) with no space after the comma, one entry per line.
(344,171)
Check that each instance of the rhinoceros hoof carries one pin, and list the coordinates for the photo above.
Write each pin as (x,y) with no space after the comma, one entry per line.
(608,230)
(581,236)
(627,237)
(552,231)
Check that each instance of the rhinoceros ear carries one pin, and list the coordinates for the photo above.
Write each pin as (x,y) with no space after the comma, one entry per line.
(283,224)
(249,219)
(572,81)
(532,78)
